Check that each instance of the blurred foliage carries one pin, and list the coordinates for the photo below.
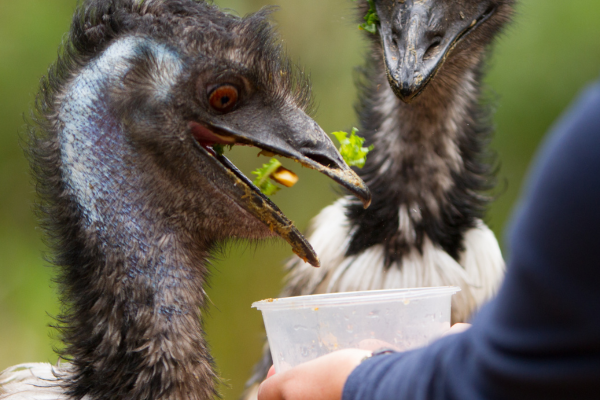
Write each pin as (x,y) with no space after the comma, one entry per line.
(542,61)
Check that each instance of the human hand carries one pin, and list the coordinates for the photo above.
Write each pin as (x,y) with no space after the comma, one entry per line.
(319,379)
(457,328)
(324,377)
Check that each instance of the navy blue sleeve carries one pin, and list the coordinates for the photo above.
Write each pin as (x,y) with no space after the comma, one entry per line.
(540,338)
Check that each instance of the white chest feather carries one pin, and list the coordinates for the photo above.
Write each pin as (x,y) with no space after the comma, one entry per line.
(37,381)
(478,272)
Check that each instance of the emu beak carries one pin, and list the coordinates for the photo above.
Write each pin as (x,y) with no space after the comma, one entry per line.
(293,135)
(418,36)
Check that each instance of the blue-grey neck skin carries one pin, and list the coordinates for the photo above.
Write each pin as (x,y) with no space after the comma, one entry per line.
(101,168)
(146,280)
(99,163)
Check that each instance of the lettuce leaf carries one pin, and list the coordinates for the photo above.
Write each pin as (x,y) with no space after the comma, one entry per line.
(262,180)
(371,19)
(219,149)
(351,148)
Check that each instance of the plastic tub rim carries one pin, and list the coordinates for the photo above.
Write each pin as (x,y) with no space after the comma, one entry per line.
(358,297)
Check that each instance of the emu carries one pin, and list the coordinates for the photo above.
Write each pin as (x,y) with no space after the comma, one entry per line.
(421,106)
(135,198)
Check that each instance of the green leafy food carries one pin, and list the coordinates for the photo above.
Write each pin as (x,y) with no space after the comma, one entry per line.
(351,148)
(220,148)
(262,177)
(371,19)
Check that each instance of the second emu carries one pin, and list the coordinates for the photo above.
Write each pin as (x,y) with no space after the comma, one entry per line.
(421,106)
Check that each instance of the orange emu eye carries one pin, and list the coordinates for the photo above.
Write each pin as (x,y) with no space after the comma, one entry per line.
(223,98)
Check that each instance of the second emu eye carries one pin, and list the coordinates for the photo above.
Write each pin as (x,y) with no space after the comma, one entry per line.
(223,98)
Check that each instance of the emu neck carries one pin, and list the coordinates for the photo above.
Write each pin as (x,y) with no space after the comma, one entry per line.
(418,144)
(134,283)
(428,168)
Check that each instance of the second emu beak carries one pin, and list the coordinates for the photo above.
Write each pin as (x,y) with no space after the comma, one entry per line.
(417,38)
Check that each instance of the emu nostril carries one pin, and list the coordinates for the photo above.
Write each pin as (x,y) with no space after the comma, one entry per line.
(488,13)
(490,10)
(396,41)
(323,160)
(433,48)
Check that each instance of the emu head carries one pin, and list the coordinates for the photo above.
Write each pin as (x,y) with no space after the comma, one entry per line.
(161,83)
(420,37)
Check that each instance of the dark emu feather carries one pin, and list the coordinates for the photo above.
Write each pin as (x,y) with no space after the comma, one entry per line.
(133,198)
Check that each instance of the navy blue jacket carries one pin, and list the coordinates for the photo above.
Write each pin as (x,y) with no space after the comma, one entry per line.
(540,338)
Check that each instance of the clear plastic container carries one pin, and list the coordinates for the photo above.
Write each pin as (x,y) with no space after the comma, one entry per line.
(302,328)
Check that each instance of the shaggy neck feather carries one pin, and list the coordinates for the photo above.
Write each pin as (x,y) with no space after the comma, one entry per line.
(420,141)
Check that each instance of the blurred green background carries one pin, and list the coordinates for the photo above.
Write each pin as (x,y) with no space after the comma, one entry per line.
(541,62)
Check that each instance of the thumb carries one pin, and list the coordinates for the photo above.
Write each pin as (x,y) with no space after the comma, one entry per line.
(270,388)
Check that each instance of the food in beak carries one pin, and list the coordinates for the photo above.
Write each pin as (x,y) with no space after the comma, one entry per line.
(284,177)
(351,148)
(264,174)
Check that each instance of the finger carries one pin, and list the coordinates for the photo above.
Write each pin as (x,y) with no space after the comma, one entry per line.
(319,379)
(458,328)
(271,372)
(376,344)
(270,389)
